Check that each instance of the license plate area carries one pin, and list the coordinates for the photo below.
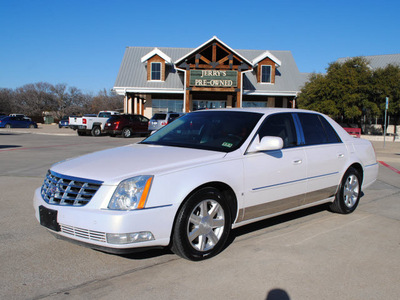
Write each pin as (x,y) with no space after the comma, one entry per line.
(48,218)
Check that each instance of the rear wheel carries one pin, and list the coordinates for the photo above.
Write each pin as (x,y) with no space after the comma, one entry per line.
(8,126)
(31,126)
(348,195)
(96,131)
(126,133)
(202,225)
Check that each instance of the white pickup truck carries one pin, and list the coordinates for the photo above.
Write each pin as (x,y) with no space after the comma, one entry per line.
(88,124)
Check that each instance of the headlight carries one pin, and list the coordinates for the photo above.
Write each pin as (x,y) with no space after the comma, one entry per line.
(131,193)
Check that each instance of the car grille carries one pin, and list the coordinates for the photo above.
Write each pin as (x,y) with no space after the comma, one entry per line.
(58,189)
(84,233)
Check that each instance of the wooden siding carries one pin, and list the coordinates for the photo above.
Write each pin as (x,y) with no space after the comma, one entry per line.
(153,59)
(266,62)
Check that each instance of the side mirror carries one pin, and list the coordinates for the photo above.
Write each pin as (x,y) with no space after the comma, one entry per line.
(267,143)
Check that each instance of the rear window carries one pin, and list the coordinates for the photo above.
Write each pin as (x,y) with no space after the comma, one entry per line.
(159,116)
(114,118)
(104,114)
(317,130)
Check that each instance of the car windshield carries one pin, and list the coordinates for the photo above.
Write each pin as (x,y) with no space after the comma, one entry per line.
(209,130)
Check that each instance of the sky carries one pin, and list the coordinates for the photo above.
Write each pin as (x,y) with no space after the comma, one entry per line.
(81,43)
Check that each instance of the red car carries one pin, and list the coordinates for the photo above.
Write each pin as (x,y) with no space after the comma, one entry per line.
(127,125)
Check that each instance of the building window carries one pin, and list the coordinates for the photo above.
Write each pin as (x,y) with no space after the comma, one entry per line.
(207,104)
(155,71)
(266,74)
(164,105)
(255,104)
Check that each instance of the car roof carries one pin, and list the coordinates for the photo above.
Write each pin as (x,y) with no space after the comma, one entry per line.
(261,110)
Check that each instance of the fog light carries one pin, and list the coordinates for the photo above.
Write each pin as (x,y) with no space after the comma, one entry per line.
(129,238)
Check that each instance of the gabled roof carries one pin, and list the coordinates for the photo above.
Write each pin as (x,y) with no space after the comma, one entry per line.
(377,61)
(158,52)
(213,39)
(265,55)
(132,75)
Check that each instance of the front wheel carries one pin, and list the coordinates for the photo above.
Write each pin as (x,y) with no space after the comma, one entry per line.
(348,195)
(202,225)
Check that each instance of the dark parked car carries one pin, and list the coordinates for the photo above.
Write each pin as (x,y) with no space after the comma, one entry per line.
(126,125)
(64,122)
(17,122)
(161,119)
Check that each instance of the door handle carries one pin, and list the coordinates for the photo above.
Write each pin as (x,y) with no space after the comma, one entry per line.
(340,155)
(297,161)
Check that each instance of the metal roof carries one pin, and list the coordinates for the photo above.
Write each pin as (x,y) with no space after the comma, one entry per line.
(377,61)
(132,75)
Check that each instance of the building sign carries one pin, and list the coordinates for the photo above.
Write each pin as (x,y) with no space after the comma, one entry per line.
(213,78)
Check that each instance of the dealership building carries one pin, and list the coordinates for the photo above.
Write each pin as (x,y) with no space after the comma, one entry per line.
(212,75)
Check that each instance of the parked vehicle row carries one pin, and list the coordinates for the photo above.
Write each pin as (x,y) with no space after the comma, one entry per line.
(91,125)
(113,123)
(16,121)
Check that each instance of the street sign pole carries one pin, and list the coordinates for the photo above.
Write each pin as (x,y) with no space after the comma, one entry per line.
(384,129)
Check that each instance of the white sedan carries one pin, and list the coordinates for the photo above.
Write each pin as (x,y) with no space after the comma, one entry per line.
(187,185)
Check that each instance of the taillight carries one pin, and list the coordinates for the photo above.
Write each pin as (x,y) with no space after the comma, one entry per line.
(116,124)
(164,123)
(84,121)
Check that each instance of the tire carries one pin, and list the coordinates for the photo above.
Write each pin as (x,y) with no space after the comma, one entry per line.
(126,132)
(96,131)
(7,126)
(31,126)
(81,133)
(348,195)
(197,234)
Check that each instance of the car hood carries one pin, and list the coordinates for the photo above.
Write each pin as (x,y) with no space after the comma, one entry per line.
(113,165)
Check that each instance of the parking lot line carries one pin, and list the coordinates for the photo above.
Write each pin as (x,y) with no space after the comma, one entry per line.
(389,166)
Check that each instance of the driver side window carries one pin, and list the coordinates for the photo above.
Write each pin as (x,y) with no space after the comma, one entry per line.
(280,125)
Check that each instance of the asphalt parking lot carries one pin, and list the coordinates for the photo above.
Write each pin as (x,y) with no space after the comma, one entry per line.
(312,254)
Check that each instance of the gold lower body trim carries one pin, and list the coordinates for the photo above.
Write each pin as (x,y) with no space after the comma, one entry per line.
(281,205)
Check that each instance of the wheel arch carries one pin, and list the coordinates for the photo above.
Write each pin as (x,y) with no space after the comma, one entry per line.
(224,188)
(359,169)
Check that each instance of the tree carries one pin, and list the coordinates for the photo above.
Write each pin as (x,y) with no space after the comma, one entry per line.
(343,93)
(106,101)
(57,100)
(6,102)
(386,83)
(34,99)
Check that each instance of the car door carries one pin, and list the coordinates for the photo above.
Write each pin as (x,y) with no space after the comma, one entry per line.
(143,123)
(275,181)
(15,123)
(326,156)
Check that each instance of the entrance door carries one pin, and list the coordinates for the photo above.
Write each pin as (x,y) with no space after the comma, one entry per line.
(208,104)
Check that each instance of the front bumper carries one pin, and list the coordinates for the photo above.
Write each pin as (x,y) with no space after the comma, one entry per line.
(90,226)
